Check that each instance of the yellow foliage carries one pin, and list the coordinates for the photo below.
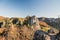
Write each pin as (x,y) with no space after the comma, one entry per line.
(21,19)
(45,29)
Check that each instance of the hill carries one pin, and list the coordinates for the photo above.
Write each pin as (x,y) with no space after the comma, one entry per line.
(24,28)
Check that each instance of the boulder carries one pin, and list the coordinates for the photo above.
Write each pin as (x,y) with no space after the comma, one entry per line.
(41,35)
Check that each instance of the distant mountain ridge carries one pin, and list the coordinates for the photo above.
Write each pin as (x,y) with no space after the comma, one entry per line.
(55,22)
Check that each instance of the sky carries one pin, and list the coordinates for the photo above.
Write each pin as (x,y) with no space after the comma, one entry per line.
(23,8)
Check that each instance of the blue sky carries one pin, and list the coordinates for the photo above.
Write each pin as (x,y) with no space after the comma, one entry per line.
(22,8)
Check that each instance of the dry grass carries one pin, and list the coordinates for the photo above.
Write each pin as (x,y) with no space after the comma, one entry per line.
(17,33)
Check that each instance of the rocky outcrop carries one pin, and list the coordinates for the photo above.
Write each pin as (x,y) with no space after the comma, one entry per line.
(41,35)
